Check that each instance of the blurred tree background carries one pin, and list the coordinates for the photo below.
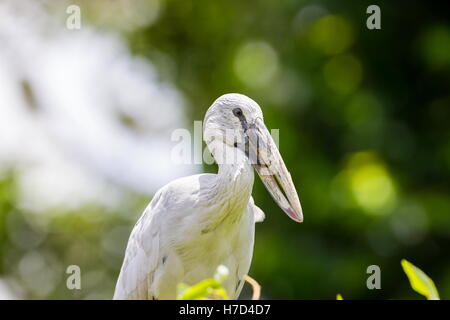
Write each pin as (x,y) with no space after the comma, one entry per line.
(364,130)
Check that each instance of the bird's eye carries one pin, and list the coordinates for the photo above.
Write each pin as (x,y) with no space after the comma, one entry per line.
(237,112)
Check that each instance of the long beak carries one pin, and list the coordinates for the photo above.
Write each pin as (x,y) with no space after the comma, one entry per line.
(269,164)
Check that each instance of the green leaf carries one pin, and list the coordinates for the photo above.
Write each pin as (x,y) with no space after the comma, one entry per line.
(419,281)
(339,297)
(206,289)
(198,291)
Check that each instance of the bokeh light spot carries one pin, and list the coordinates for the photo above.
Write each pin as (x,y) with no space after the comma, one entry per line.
(371,185)
(435,46)
(343,73)
(363,109)
(332,34)
(410,223)
(256,64)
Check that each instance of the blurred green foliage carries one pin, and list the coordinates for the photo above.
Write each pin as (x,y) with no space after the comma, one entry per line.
(206,289)
(364,130)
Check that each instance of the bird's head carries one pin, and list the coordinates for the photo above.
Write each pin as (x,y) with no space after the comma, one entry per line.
(236,122)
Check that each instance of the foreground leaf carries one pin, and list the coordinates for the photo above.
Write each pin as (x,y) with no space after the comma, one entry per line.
(419,281)
(206,289)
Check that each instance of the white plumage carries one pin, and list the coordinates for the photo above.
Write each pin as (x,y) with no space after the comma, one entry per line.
(196,223)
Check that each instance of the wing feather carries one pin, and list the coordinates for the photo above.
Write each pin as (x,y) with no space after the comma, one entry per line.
(141,258)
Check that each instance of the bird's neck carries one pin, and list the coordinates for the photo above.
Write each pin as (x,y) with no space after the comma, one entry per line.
(234,183)
(236,177)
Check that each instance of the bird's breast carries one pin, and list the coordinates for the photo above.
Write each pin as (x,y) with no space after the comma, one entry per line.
(229,244)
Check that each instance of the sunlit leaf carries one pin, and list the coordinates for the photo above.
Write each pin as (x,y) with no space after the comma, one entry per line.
(200,290)
(206,289)
(339,297)
(419,281)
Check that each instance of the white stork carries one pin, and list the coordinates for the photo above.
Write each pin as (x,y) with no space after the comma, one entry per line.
(196,223)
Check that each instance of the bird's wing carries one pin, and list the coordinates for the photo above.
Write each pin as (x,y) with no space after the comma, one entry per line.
(257,212)
(245,251)
(141,257)
(152,236)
